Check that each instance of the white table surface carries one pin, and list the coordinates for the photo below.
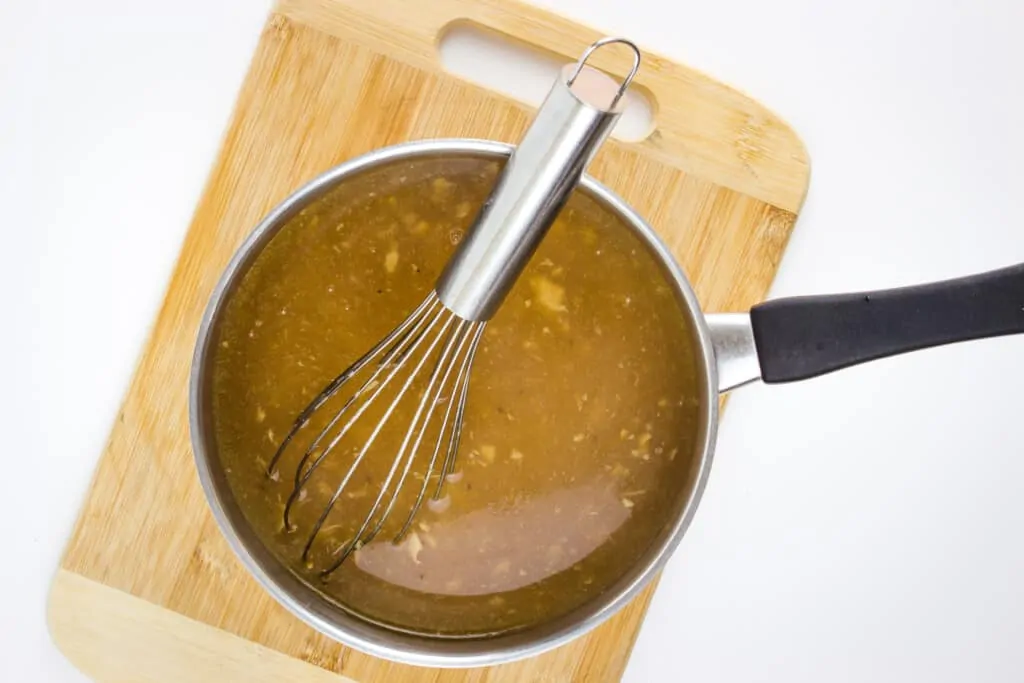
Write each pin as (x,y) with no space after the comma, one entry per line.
(863,526)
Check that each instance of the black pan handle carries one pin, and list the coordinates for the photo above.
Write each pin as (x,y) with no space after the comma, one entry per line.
(806,336)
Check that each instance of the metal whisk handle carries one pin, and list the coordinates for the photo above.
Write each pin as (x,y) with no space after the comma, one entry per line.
(575,118)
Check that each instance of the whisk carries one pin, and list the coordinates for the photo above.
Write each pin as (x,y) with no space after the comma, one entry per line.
(438,341)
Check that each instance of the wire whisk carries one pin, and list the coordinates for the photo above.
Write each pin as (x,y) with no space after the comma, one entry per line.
(430,354)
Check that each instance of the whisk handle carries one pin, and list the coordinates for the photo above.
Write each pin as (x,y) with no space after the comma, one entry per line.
(575,118)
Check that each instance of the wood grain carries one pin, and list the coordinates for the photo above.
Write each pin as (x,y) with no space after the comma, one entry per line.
(702,126)
(91,620)
(148,590)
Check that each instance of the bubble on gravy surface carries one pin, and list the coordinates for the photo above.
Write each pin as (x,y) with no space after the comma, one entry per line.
(580,431)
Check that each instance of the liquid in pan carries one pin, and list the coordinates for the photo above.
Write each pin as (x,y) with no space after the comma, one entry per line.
(581,423)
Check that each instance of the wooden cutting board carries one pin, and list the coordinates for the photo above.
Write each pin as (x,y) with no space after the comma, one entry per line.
(148,590)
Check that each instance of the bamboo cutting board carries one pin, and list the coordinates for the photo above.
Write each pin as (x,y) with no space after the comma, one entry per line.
(147,589)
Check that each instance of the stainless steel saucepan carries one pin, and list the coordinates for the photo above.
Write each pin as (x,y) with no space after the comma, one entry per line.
(777,341)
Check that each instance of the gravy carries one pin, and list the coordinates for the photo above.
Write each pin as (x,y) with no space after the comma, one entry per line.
(580,429)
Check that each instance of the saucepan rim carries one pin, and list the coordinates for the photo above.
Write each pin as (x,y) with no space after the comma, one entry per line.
(318,611)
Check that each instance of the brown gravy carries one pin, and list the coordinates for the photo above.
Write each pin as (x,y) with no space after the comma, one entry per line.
(581,424)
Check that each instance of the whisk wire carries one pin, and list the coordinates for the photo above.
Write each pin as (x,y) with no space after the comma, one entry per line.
(414,434)
(472,336)
(428,404)
(456,436)
(394,359)
(355,542)
(335,384)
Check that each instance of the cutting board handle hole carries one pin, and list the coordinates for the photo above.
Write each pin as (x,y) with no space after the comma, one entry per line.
(525,72)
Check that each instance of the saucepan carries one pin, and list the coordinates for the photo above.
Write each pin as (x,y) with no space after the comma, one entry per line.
(777,341)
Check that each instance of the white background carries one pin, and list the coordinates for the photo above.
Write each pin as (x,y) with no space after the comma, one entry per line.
(863,526)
